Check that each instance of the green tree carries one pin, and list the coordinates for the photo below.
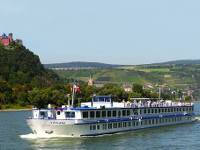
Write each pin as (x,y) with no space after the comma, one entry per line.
(6,96)
(138,88)
(188,98)
(39,98)
(134,95)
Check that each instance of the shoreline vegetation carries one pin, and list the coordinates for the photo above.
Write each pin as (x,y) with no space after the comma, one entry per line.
(13,107)
(12,110)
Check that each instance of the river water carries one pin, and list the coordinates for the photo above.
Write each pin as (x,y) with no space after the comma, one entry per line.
(13,126)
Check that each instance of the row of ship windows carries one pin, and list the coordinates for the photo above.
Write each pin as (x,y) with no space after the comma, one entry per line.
(126,124)
(124,113)
(162,110)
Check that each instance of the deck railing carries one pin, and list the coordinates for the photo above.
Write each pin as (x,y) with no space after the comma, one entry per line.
(156,104)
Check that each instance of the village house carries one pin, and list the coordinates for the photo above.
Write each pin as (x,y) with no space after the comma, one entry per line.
(127,87)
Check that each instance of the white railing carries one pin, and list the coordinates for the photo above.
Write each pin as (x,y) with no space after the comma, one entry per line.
(156,104)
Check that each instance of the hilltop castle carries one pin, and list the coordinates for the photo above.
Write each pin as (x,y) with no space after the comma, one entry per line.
(6,40)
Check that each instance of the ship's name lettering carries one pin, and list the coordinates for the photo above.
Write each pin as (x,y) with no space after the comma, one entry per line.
(57,123)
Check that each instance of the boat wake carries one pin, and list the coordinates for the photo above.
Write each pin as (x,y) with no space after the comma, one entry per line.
(197,118)
(45,136)
(36,136)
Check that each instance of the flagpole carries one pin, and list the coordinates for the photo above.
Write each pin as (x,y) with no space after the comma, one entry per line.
(73,92)
(68,97)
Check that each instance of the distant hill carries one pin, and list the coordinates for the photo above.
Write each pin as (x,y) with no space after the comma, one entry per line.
(19,65)
(74,65)
(179,62)
(178,76)
(96,65)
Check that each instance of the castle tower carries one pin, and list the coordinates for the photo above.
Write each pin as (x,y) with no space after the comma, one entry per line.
(10,36)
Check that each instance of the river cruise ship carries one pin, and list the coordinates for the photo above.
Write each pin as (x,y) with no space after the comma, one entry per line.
(103,116)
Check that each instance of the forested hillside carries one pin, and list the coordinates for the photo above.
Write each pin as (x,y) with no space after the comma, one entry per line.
(18,65)
(21,74)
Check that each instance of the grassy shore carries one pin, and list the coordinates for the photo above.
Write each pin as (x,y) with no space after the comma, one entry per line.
(14,107)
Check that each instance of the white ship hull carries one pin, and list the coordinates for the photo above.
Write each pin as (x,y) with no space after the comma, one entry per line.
(102,116)
(71,129)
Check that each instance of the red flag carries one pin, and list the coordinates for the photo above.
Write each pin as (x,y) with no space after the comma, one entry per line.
(76,89)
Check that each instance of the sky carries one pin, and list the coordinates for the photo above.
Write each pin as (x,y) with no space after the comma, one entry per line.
(108,31)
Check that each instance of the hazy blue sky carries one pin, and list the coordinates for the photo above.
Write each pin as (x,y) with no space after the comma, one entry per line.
(110,31)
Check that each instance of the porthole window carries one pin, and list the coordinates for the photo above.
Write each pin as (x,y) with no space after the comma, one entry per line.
(58,112)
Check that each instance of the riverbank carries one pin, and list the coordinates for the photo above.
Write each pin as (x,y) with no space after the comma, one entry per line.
(7,110)
(12,107)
